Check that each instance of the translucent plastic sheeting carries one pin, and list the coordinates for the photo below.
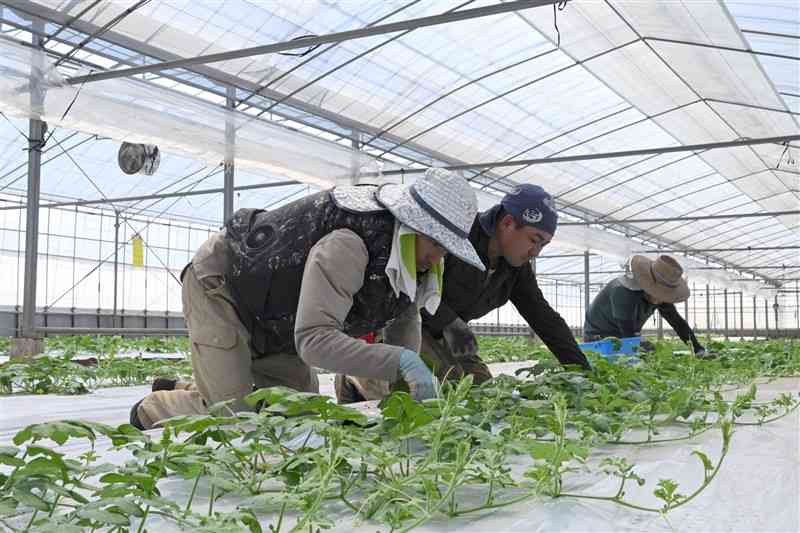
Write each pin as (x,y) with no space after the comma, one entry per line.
(585,238)
(654,85)
(505,95)
(374,80)
(755,490)
(154,289)
(129,110)
(433,77)
(619,247)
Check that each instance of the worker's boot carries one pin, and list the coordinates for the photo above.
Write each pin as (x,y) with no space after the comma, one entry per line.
(172,384)
(164,384)
(346,392)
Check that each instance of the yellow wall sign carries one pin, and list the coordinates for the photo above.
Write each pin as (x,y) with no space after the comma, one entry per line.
(138,250)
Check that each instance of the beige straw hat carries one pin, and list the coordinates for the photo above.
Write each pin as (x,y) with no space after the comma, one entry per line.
(661,278)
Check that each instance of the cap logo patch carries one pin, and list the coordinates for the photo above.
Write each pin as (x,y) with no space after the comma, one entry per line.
(532,216)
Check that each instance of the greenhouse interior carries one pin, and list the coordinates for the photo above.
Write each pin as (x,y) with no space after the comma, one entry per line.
(485,265)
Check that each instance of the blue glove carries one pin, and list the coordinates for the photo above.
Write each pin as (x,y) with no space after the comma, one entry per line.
(419,378)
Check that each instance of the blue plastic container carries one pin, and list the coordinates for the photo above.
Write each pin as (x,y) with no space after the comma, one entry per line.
(628,350)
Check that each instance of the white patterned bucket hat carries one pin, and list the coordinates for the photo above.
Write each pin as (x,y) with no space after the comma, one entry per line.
(439,205)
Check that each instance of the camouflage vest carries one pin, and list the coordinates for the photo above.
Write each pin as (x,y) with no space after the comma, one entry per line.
(267,252)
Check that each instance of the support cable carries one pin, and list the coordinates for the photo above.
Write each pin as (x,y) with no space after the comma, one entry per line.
(258,90)
(108,26)
(24,175)
(70,22)
(110,255)
(97,188)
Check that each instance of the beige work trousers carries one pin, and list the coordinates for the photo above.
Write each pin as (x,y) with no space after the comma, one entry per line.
(223,363)
(435,353)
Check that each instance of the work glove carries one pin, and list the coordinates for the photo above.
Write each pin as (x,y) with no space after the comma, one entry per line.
(647,346)
(416,374)
(460,339)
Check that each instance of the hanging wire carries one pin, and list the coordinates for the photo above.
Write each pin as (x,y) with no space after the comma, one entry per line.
(788,153)
(71,21)
(558,6)
(14,126)
(99,190)
(785,149)
(123,245)
(116,20)
(44,141)
(306,52)
(19,167)
(41,144)
(108,26)
(327,48)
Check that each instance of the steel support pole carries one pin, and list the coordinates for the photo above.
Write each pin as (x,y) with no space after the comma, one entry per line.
(113,331)
(586,280)
(686,301)
(116,264)
(766,315)
(355,142)
(708,308)
(159,196)
(36,131)
(230,150)
(725,292)
(556,300)
(680,219)
(686,251)
(775,307)
(660,326)
(314,40)
(718,47)
(741,314)
(771,34)
(755,314)
(605,155)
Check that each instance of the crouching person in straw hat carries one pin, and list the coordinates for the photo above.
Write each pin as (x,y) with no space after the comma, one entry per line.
(277,293)
(625,303)
(506,237)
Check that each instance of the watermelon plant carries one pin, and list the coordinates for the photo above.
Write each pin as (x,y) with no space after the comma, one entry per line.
(301,460)
(60,375)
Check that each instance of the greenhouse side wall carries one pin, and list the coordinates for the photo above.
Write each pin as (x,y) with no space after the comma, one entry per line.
(82,250)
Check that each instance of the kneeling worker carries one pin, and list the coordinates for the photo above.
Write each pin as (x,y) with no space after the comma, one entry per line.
(276,293)
(623,306)
(506,237)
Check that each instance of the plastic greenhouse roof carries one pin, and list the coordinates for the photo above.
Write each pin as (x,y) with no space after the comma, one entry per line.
(627,75)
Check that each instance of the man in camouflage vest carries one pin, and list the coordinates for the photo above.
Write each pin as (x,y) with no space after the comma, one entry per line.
(277,293)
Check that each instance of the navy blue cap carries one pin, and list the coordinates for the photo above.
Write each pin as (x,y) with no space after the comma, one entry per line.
(532,206)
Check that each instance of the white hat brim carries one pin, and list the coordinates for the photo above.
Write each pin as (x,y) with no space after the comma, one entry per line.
(398,200)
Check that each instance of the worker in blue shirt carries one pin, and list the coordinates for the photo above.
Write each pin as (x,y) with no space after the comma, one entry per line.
(625,303)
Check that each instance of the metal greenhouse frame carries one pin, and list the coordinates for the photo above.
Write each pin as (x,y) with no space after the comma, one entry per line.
(674,142)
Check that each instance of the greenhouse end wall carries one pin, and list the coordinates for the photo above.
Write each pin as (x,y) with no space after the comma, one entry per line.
(83,249)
